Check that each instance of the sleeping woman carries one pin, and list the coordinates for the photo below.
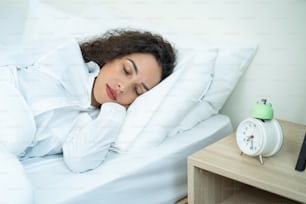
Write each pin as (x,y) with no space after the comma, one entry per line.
(78,93)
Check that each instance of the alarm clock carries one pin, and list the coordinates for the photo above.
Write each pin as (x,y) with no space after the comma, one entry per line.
(260,135)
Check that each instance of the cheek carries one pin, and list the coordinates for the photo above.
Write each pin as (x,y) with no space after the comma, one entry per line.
(127,98)
(155,77)
(97,90)
(98,87)
(154,82)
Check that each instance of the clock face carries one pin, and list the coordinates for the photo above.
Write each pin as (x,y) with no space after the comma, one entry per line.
(249,137)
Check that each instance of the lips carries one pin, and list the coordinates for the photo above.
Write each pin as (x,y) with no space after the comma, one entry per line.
(110,93)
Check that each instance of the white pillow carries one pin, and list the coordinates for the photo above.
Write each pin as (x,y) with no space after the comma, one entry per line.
(201,111)
(231,63)
(153,115)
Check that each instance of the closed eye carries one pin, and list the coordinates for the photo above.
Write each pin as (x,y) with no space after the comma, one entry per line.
(126,71)
(136,71)
(138,90)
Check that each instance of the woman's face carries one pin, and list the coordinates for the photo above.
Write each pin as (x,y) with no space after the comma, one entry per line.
(123,79)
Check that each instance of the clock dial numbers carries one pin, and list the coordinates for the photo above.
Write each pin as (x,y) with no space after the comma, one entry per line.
(249,137)
(248,133)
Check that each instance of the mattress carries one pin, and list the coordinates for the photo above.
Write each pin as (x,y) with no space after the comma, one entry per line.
(157,175)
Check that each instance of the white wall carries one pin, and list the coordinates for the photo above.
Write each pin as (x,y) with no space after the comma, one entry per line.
(278,72)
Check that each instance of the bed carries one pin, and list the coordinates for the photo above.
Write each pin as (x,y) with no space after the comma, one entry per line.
(158,175)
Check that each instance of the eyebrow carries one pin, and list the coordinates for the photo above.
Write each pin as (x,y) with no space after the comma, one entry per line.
(134,65)
(136,71)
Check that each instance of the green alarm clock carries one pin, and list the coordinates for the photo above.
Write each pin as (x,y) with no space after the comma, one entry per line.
(260,135)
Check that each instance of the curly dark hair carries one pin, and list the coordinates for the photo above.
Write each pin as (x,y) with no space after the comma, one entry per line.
(120,42)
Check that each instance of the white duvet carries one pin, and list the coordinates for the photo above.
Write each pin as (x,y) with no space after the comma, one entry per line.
(15,187)
(16,120)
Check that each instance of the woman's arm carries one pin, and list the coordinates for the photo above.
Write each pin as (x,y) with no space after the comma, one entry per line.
(87,146)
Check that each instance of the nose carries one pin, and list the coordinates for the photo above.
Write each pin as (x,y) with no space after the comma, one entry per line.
(124,86)
(120,87)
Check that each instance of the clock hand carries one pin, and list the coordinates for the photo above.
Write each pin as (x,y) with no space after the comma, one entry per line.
(250,137)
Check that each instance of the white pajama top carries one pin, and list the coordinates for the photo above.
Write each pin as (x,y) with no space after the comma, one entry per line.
(57,88)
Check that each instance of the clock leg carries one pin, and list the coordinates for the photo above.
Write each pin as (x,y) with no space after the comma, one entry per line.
(261,159)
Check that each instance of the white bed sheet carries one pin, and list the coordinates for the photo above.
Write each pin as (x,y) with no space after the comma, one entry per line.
(158,175)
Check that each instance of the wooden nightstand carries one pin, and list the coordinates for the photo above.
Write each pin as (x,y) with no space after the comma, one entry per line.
(219,174)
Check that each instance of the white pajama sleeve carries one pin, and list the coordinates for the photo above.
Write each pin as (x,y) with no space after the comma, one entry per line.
(87,146)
